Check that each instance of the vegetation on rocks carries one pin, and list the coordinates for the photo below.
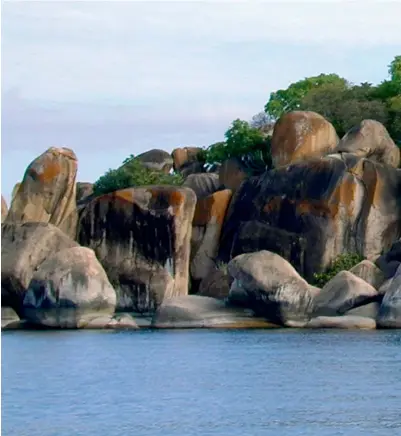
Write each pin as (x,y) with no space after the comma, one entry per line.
(344,262)
(133,173)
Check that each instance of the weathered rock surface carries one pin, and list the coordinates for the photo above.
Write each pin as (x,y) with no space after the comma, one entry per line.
(194,311)
(142,238)
(342,293)
(232,174)
(84,190)
(203,184)
(334,204)
(4,209)
(9,319)
(272,288)
(186,160)
(69,290)
(369,272)
(158,160)
(207,224)
(48,192)
(15,190)
(390,310)
(369,310)
(301,135)
(24,247)
(342,322)
(391,260)
(370,139)
(216,285)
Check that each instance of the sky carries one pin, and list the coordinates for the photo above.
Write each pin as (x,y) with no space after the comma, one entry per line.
(109,79)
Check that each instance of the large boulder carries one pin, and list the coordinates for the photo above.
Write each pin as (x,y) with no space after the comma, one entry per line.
(188,160)
(69,290)
(207,224)
(391,260)
(216,284)
(15,190)
(24,247)
(158,160)
(232,174)
(370,139)
(203,184)
(342,293)
(333,204)
(84,190)
(142,238)
(4,209)
(341,322)
(369,272)
(301,135)
(194,311)
(390,310)
(48,192)
(272,288)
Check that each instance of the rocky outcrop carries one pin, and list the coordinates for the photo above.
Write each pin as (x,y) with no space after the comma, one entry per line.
(232,174)
(334,204)
(300,135)
(48,192)
(193,311)
(370,139)
(157,160)
(4,209)
(142,238)
(216,284)
(272,288)
(15,190)
(24,247)
(369,272)
(203,184)
(207,224)
(187,160)
(390,310)
(84,190)
(391,260)
(69,290)
(341,322)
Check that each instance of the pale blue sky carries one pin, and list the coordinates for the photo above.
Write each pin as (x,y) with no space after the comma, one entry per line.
(110,78)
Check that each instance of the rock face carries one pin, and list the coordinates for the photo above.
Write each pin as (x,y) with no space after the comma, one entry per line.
(370,139)
(369,272)
(342,322)
(187,160)
(84,190)
(390,261)
(333,205)
(216,284)
(207,225)
(4,209)
(158,160)
(24,247)
(231,174)
(301,135)
(68,290)
(203,184)
(272,288)
(142,238)
(390,310)
(342,293)
(15,190)
(193,311)
(48,193)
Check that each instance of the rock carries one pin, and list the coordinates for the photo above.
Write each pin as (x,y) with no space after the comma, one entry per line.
(301,135)
(4,209)
(231,174)
(48,193)
(118,322)
(24,247)
(9,319)
(370,139)
(156,159)
(142,238)
(369,310)
(341,322)
(216,284)
(342,293)
(368,272)
(69,290)
(390,310)
(203,184)
(194,311)
(15,190)
(273,288)
(84,190)
(207,224)
(185,157)
(334,205)
(390,261)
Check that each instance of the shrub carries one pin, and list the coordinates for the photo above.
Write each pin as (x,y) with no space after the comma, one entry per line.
(133,173)
(343,262)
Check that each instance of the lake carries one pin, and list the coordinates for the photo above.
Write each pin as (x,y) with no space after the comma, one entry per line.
(184,383)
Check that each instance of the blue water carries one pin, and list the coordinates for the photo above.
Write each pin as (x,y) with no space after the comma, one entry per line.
(184,383)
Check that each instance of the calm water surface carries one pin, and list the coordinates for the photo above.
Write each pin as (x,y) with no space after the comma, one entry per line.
(186,383)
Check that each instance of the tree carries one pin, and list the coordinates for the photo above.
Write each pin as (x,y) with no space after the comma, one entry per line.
(133,173)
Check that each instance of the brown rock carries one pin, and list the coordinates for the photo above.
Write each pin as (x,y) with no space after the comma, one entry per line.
(48,193)
(156,159)
(231,174)
(184,156)
(203,184)
(142,238)
(300,135)
(84,190)
(4,209)
(370,139)
(15,190)
(216,284)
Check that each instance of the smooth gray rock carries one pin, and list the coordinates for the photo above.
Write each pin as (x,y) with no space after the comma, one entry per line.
(341,322)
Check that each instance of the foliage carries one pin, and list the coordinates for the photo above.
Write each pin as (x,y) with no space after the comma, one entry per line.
(133,173)
(343,262)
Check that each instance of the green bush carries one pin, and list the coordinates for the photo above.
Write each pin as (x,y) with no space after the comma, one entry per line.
(133,173)
(344,262)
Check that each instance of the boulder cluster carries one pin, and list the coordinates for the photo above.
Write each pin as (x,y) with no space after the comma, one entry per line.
(224,250)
